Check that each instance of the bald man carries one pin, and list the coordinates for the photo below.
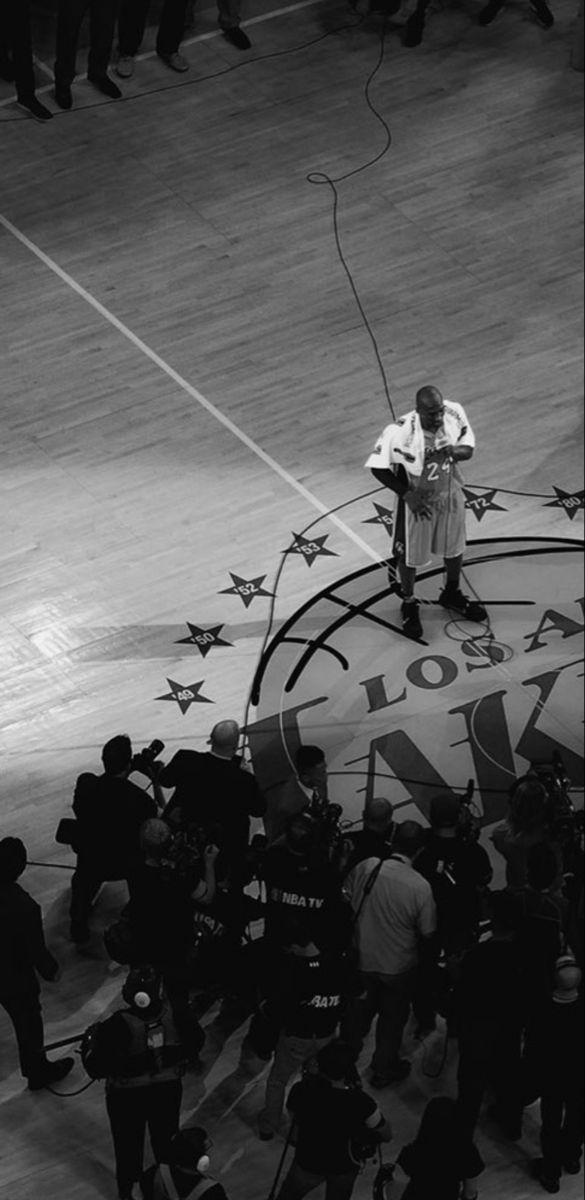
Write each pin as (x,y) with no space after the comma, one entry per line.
(214,792)
(374,840)
(417,458)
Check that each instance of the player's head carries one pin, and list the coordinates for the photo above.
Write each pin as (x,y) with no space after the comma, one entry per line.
(224,738)
(430,407)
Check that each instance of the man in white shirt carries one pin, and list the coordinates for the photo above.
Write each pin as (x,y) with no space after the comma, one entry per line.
(395,912)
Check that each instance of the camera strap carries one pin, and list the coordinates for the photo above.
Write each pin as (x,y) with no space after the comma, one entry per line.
(368,887)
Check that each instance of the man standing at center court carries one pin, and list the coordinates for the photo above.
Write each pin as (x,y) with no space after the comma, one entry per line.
(417,457)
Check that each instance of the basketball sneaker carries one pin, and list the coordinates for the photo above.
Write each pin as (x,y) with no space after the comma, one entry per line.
(453,599)
(411,622)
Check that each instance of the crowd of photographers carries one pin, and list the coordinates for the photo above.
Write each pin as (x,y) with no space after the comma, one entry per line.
(313,933)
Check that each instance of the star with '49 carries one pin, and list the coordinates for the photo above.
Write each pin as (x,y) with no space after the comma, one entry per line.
(185,694)
(572,502)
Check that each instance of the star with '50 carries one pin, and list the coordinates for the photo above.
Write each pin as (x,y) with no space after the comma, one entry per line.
(185,694)
(204,639)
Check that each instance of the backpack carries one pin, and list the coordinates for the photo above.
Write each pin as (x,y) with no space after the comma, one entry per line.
(95,1054)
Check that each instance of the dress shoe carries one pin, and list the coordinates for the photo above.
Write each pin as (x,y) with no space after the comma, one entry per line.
(572,1166)
(238,38)
(35,108)
(546,1179)
(542,13)
(490,12)
(63,95)
(176,61)
(53,1072)
(125,66)
(106,86)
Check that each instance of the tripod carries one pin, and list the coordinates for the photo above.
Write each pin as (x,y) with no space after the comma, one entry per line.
(279,1169)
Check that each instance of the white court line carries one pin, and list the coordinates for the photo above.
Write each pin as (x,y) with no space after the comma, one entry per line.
(199,37)
(194,393)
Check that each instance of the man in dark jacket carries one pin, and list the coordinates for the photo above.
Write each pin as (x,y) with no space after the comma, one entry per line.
(110,810)
(560,1033)
(215,792)
(23,953)
(305,1004)
(332,1115)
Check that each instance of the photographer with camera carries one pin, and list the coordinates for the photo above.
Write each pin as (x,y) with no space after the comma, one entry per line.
(529,822)
(160,915)
(216,791)
(140,1053)
(304,1008)
(395,920)
(302,881)
(337,1127)
(109,811)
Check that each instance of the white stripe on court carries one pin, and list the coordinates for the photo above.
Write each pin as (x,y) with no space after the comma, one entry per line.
(189,389)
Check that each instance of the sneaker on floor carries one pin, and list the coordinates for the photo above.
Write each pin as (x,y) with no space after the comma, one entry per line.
(238,38)
(106,86)
(53,1072)
(413,31)
(542,13)
(35,108)
(490,12)
(176,62)
(455,601)
(125,66)
(411,622)
(550,1183)
(63,96)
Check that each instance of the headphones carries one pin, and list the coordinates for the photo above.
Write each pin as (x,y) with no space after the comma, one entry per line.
(142,988)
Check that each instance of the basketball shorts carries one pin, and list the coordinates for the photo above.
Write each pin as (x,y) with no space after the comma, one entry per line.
(417,539)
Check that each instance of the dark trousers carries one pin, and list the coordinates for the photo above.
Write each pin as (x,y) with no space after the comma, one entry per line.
(86,882)
(490,1054)
(102,15)
(131,1111)
(24,1010)
(176,987)
(16,44)
(387,997)
(299,1183)
(132,23)
(561,1112)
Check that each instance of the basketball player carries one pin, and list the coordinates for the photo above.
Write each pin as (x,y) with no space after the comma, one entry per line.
(417,458)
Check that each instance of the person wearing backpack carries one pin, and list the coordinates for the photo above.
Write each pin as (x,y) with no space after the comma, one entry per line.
(139,1054)
(185,1176)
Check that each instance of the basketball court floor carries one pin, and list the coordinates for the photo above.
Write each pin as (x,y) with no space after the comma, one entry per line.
(189,391)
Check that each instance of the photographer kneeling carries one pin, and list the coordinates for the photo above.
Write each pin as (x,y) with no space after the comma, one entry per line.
(109,811)
(337,1126)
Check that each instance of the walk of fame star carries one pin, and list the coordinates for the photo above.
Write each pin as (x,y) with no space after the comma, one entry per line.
(185,694)
(384,516)
(246,589)
(481,503)
(204,639)
(311,548)
(572,502)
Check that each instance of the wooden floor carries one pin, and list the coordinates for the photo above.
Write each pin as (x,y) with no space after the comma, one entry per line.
(185,380)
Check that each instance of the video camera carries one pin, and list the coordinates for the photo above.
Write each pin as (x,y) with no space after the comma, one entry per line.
(565,824)
(327,834)
(146,759)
